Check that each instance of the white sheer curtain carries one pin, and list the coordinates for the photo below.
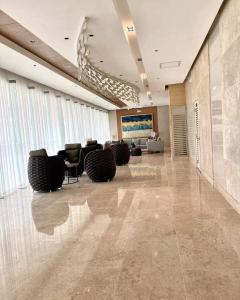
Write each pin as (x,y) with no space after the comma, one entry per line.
(33,118)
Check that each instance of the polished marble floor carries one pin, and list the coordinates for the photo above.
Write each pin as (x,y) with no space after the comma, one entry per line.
(158,231)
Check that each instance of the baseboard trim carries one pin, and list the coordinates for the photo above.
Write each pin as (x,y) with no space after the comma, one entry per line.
(209,179)
(229,198)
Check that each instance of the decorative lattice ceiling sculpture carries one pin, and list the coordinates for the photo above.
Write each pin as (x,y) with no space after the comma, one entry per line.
(103,83)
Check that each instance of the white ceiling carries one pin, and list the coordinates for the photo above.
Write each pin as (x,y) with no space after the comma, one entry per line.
(176,28)
(17,63)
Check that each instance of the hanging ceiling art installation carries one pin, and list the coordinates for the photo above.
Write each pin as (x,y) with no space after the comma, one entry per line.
(103,83)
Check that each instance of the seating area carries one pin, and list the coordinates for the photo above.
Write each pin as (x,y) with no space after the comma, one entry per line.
(69,164)
(119,150)
(149,145)
(98,163)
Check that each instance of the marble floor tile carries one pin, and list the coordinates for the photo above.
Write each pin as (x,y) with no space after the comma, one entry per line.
(157,231)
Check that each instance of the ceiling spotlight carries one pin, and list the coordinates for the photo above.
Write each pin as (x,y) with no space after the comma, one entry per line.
(120,75)
(66,38)
(32,41)
(156,50)
(34,65)
(130,28)
(91,35)
(139,59)
(101,61)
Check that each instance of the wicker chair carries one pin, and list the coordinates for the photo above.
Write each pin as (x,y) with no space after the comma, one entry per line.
(121,153)
(45,173)
(84,152)
(100,165)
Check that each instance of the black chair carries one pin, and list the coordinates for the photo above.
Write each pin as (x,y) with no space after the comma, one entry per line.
(85,151)
(45,173)
(72,157)
(100,165)
(137,151)
(121,153)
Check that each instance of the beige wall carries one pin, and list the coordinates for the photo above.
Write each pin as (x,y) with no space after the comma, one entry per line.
(197,89)
(215,82)
(177,94)
(112,115)
(162,123)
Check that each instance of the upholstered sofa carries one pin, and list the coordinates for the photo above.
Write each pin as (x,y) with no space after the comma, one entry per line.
(138,142)
(155,146)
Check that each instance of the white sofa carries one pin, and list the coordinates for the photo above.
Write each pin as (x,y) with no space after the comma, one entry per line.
(155,146)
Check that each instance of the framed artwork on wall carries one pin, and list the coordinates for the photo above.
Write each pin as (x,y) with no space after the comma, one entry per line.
(136,126)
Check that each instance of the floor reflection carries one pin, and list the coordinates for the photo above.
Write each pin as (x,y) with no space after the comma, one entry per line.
(49,213)
(108,205)
(157,231)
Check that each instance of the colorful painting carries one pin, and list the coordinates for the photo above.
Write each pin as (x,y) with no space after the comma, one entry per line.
(137,126)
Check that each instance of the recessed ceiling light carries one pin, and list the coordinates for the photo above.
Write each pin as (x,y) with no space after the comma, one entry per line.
(34,65)
(139,59)
(156,50)
(170,64)
(66,38)
(130,28)
(101,61)
(32,41)
(120,75)
(143,76)
(91,35)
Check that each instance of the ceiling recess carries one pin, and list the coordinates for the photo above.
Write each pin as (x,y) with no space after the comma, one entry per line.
(170,64)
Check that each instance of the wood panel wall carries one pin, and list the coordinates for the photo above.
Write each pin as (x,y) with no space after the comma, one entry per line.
(136,111)
(177,94)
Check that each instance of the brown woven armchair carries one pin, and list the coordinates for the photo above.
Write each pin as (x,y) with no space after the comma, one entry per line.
(100,165)
(121,153)
(85,151)
(45,173)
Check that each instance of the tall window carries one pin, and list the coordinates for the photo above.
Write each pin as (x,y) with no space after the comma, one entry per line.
(33,118)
